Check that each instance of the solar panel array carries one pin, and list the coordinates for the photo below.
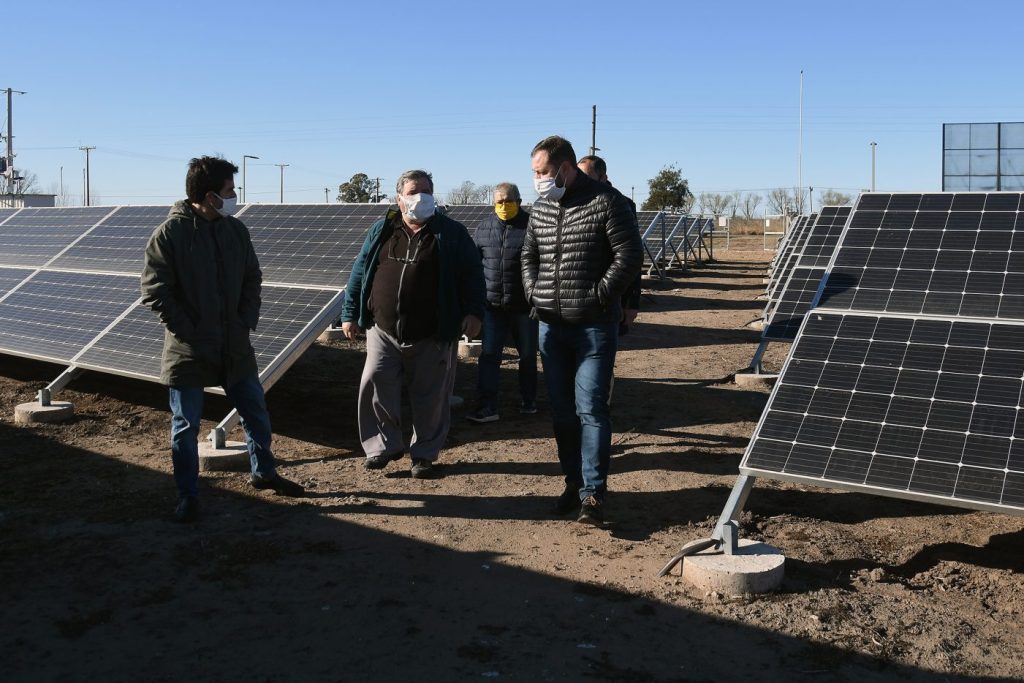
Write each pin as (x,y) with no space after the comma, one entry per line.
(794,244)
(69,282)
(470,215)
(907,377)
(794,296)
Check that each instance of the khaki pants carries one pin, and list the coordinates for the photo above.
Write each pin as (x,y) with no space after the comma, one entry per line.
(428,368)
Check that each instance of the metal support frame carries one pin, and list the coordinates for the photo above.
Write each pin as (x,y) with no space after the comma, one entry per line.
(658,218)
(755,363)
(726,533)
(45,395)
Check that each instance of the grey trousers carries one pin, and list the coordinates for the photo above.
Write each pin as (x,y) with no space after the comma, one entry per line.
(428,366)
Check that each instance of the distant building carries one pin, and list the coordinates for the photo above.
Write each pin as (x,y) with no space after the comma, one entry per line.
(21,201)
(983,157)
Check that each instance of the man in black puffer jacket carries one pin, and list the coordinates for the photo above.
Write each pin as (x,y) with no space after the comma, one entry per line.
(582,251)
(500,240)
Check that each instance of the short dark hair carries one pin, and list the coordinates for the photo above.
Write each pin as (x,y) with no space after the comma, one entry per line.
(597,162)
(207,174)
(558,148)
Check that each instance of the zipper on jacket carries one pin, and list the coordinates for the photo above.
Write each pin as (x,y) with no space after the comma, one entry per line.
(401,279)
(501,267)
(558,260)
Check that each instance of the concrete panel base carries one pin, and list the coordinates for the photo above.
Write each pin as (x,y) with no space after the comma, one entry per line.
(57,411)
(234,457)
(331,334)
(756,380)
(755,568)
(756,325)
(471,349)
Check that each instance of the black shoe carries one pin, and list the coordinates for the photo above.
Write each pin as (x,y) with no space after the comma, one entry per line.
(528,408)
(591,512)
(187,510)
(379,462)
(483,416)
(568,500)
(423,469)
(279,485)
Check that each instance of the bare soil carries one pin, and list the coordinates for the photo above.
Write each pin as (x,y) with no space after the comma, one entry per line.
(376,576)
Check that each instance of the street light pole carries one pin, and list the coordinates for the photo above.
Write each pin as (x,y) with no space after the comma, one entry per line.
(873,146)
(282,167)
(245,185)
(326,198)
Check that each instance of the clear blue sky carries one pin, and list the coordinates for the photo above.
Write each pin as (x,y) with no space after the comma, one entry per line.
(464,89)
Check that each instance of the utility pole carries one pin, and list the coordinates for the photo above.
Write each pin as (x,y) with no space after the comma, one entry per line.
(326,198)
(61,186)
(376,193)
(87,193)
(8,166)
(282,167)
(810,197)
(632,190)
(593,130)
(873,146)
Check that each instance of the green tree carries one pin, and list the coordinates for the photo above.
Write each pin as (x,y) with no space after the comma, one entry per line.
(360,189)
(669,191)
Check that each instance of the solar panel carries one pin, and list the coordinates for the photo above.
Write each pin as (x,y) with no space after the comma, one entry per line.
(797,293)
(947,254)
(134,345)
(32,237)
(793,247)
(6,213)
(52,315)
(115,245)
(891,389)
(470,215)
(314,244)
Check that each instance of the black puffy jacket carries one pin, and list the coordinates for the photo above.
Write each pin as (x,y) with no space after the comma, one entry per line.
(500,245)
(581,253)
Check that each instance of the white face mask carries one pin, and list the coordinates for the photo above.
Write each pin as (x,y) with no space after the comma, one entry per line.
(418,207)
(230,205)
(548,188)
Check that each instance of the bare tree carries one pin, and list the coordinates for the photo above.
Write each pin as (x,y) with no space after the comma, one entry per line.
(834,198)
(470,193)
(735,199)
(749,204)
(713,203)
(798,200)
(780,201)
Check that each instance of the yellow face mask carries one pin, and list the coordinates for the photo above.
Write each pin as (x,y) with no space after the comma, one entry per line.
(507,210)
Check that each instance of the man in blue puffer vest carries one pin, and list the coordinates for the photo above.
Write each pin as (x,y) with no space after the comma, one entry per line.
(500,239)
(416,287)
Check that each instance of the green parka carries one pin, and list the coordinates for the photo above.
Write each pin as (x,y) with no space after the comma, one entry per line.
(203,280)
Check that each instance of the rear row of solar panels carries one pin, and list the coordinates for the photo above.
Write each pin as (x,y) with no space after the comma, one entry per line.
(69,280)
(906,378)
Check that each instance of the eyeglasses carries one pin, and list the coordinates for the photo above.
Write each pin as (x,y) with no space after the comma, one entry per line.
(408,260)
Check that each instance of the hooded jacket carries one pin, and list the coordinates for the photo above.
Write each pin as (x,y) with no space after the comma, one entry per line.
(460,285)
(501,243)
(203,280)
(581,253)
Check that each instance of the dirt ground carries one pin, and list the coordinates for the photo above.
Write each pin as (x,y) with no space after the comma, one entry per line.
(376,576)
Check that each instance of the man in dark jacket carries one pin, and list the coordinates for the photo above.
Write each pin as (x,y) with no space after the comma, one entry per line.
(582,251)
(415,288)
(203,280)
(595,167)
(500,239)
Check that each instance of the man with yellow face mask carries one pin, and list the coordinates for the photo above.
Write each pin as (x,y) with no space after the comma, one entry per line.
(500,240)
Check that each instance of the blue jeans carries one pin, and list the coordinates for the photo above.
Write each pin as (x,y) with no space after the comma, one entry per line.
(187,410)
(497,325)
(578,362)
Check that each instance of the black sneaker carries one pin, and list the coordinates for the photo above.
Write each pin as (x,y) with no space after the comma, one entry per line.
(379,462)
(528,408)
(422,469)
(279,485)
(591,512)
(187,510)
(567,501)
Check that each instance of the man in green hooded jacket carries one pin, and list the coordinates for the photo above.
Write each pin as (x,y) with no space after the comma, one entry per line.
(202,278)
